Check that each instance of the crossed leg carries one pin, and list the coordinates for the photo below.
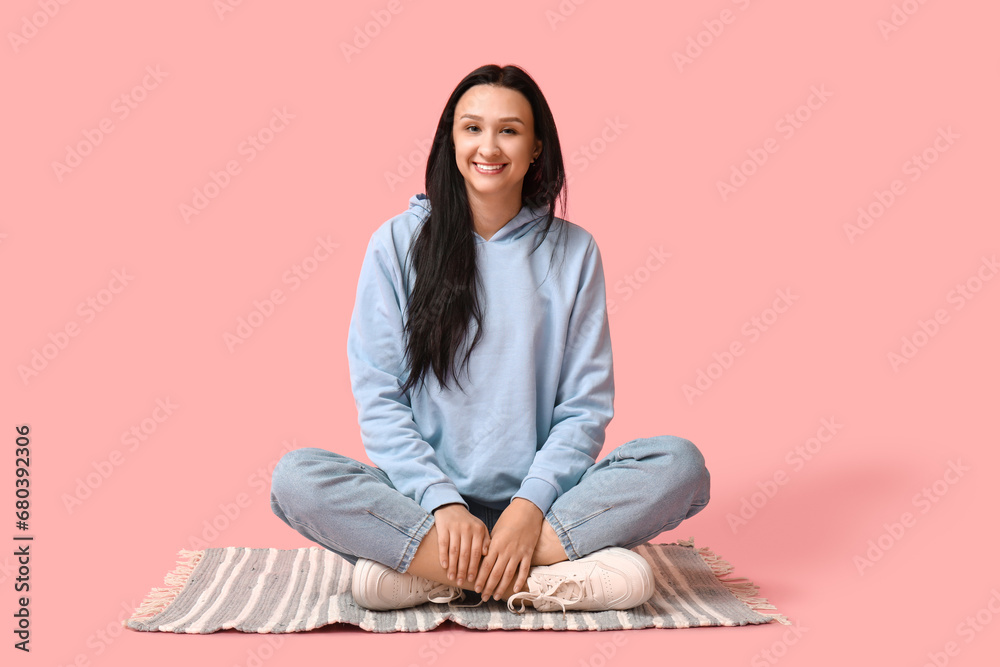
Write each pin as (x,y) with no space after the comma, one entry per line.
(639,490)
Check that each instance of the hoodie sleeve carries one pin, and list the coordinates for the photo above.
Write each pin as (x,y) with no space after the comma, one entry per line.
(585,396)
(376,357)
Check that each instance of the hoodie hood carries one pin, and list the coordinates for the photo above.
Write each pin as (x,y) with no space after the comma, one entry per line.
(514,229)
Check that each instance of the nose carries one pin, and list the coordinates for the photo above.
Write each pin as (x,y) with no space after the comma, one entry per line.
(488,147)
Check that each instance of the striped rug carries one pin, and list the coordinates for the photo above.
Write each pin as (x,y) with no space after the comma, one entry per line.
(293,590)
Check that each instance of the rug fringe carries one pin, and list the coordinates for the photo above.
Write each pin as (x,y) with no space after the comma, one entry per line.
(160,598)
(742,588)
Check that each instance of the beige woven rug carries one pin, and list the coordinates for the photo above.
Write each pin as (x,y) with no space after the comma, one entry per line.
(293,590)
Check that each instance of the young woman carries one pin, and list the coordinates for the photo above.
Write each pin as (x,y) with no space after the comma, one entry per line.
(490,485)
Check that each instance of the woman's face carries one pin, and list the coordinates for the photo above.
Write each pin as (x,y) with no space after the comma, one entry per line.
(494,127)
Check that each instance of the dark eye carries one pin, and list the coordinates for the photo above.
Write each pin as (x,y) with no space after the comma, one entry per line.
(506,129)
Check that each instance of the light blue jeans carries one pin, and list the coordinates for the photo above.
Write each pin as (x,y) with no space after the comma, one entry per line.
(639,490)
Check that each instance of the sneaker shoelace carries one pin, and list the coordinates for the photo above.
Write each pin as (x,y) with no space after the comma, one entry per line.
(574,589)
(478,602)
(441,593)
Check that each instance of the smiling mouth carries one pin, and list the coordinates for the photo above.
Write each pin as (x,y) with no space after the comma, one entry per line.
(489,169)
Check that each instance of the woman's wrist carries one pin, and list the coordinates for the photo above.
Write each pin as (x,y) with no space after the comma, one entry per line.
(527,507)
(441,507)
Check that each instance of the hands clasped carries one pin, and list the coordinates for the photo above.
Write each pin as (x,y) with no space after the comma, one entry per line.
(470,553)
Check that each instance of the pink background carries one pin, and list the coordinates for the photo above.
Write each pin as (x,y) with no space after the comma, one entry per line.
(681,130)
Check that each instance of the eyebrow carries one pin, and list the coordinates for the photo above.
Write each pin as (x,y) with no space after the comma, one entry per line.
(509,119)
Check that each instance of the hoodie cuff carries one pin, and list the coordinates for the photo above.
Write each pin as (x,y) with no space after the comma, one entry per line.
(538,491)
(439,494)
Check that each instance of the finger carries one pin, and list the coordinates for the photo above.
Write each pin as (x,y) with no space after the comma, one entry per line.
(454,546)
(508,576)
(485,565)
(463,557)
(496,573)
(522,574)
(484,572)
(443,547)
(474,556)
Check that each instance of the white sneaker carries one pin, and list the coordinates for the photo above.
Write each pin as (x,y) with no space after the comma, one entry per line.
(612,578)
(378,587)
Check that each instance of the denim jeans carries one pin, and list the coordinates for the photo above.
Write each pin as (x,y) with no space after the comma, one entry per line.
(639,490)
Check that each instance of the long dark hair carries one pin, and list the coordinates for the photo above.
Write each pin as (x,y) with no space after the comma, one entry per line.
(445,299)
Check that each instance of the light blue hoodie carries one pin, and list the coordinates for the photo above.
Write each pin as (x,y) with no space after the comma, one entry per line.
(541,392)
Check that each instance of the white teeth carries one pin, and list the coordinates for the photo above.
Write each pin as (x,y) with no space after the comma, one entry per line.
(485,168)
